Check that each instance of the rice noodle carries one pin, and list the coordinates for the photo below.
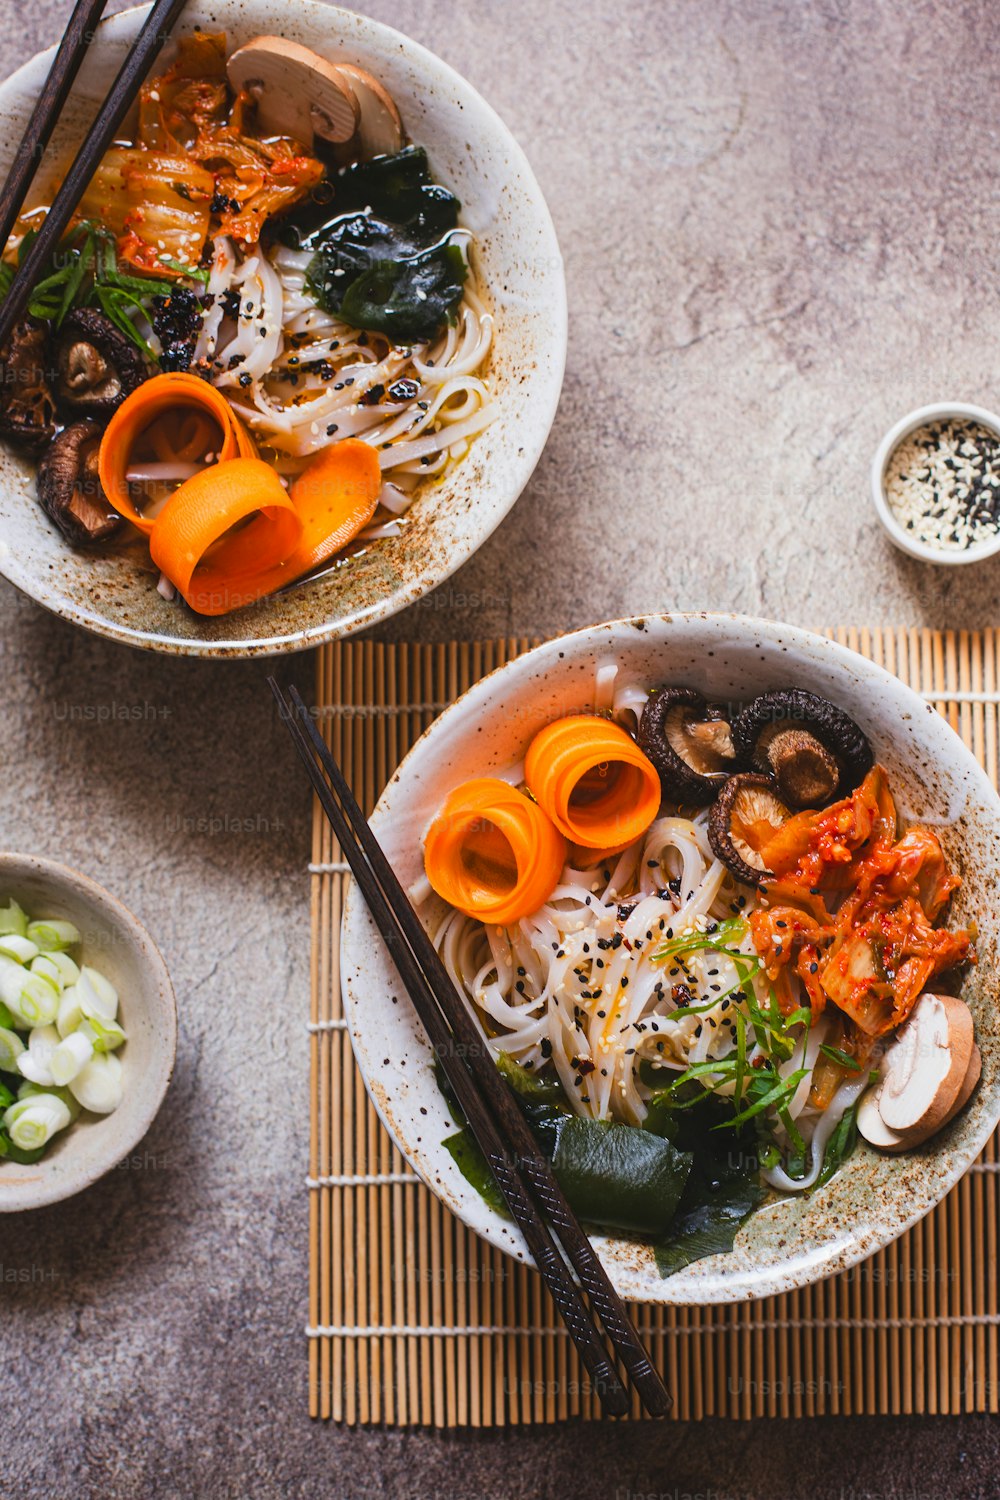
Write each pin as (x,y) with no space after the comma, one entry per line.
(817,1130)
(296,374)
(572,997)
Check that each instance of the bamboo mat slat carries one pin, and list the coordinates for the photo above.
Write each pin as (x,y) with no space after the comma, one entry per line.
(415,1321)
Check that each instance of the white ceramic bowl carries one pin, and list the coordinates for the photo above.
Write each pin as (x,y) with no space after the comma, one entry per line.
(940,411)
(116,944)
(517,257)
(797,1239)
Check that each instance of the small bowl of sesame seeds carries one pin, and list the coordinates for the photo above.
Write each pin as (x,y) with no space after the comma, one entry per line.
(936,483)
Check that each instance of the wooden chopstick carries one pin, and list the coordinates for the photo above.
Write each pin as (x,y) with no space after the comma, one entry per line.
(48,107)
(155,32)
(490,1103)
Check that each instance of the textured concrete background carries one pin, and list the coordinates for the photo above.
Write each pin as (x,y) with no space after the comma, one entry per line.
(780,227)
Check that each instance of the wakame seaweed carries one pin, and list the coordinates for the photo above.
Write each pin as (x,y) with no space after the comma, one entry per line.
(614,1176)
(722,1189)
(463,1148)
(620,1177)
(384,258)
(680,1181)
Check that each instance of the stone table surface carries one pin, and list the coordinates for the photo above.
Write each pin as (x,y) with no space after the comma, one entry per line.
(780,224)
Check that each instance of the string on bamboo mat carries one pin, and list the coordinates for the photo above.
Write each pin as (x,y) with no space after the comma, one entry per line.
(415,1321)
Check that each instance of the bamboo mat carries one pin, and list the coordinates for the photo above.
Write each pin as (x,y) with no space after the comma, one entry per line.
(413,1320)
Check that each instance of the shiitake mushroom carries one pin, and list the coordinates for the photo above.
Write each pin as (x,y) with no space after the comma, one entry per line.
(689,742)
(69,488)
(813,749)
(27,408)
(746,814)
(95,365)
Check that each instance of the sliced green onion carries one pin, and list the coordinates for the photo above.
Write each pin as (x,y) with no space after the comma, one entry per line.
(69,970)
(703,1006)
(733,929)
(11,1048)
(800,1017)
(36,1063)
(98,995)
(21,949)
(105,1036)
(91,998)
(793,1133)
(12,919)
(98,1086)
(31,999)
(32,1122)
(71,1012)
(741,1056)
(781,1090)
(29,1090)
(71,1056)
(193,273)
(842,1059)
(44,966)
(727,1064)
(53,936)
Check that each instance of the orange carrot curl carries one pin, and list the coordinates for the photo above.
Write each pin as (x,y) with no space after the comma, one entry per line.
(593,781)
(492,853)
(231,533)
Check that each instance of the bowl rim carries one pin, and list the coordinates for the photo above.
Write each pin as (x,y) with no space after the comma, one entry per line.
(526,447)
(898,534)
(22,1198)
(803,1269)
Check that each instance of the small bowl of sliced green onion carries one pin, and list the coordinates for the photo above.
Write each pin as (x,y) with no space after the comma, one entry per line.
(88,1031)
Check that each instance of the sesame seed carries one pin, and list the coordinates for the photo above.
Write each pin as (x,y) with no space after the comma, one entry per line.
(942,484)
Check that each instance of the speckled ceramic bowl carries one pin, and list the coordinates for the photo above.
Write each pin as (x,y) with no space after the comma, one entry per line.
(794,1240)
(518,260)
(116,944)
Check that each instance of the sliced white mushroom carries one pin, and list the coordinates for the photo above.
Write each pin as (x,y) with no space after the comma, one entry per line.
(380,129)
(873,1127)
(973,1073)
(876,1131)
(924,1067)
(297,92)
(927,1073)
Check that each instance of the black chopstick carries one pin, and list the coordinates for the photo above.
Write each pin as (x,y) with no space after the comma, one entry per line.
(544,1249)
(154,33)
(491,1086)
(491,1108)
(48,107)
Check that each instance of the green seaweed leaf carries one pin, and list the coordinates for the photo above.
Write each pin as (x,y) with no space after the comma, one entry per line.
(384,255)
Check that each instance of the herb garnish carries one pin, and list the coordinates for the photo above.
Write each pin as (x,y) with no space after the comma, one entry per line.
(85,273)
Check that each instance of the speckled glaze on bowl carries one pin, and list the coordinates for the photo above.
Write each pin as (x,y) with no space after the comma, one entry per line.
(518,261)
(790,1241)
(117,944)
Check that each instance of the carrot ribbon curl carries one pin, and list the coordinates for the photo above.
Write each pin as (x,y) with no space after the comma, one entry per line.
(492,853)
(593,781)
(232,533)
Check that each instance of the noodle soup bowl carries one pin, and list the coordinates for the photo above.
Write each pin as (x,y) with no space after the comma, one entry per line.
(791,1240)
(519,269)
